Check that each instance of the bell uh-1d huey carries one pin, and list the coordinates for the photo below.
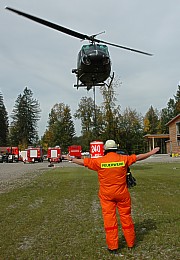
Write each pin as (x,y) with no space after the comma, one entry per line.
(93,63)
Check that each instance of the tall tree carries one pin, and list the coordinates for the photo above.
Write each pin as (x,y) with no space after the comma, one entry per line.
(172,109)
(3,122)
(25,115)
(163,120)
(111,111)
(85,113)
(131,131)
(151,121)
(177,101)
(99,122)
(47,139)
(60,129)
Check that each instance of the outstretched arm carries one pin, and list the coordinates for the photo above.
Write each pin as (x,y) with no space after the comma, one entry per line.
(74,160)
(143,156)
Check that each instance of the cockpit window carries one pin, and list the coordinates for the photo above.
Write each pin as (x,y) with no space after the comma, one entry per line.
(104,48)
(91,47)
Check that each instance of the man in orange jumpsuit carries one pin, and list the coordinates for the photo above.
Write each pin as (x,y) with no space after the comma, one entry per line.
(113,191)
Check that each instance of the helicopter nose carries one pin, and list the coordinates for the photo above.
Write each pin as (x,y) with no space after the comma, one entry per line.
(96,58)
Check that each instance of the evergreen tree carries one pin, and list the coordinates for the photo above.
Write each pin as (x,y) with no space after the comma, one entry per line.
(177,101)
(25,115)
(60,129)
(164,119)
(131,131)
(3,123)
(151,121)
(172,110)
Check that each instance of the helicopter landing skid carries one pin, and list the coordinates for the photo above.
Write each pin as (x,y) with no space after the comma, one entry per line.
(90,86)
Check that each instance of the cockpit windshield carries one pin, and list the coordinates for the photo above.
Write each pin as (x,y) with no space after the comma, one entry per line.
(91,47)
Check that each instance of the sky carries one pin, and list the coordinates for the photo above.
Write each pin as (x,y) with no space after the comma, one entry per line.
(42,59)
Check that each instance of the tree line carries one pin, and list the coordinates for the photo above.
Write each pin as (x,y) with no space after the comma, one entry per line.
(98,122)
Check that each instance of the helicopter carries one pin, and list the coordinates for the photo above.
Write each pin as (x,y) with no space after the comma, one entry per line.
(93,62)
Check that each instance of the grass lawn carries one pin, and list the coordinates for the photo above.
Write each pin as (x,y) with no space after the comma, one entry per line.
(58,216)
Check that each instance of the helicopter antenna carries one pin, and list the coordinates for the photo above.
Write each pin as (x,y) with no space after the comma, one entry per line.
(92,37)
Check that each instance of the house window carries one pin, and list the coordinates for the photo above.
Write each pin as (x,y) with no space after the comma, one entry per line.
(178,132)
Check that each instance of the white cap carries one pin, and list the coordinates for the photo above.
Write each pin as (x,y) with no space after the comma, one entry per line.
(110,144)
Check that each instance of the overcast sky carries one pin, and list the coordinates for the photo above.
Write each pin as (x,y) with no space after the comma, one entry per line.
(38,57)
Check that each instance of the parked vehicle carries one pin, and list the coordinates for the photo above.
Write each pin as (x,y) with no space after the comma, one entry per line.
(34,154)
(9,154)
(54,154)
(13,154)
(75,151)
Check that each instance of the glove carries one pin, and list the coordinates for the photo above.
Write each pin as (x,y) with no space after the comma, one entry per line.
(130,180)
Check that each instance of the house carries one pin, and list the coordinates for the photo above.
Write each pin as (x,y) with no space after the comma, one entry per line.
(168,143)
(154,140)
(173,144)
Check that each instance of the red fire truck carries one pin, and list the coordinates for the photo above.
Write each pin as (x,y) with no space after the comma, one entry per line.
(9,154)
(13,154)
(54,154)
(34,154)
(75,151)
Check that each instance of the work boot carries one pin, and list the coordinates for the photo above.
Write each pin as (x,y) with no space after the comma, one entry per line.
(113,251)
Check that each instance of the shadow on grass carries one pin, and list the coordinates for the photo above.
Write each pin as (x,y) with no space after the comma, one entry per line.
(141,229)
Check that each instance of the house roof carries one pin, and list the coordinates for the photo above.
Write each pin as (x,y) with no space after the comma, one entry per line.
(174,119)
(157,136)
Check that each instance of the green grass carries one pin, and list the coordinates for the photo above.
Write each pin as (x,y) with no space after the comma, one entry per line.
(58,216)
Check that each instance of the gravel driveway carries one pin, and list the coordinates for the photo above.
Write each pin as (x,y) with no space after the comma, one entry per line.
(162,158)
(17,174)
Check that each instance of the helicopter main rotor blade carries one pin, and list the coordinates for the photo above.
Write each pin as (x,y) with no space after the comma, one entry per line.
(69,31)
(50,24)
(123,47)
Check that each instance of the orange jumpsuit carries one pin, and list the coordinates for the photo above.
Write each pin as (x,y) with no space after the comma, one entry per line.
(113,193)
